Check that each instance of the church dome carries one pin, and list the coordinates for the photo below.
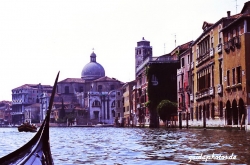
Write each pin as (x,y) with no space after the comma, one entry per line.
(92,70)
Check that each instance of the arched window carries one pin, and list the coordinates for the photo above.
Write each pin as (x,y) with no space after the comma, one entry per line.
(96,103)
(113,104)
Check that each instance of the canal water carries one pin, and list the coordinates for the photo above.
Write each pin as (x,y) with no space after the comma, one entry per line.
(118,146)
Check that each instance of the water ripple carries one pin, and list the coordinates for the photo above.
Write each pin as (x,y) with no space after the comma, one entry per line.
(120,146)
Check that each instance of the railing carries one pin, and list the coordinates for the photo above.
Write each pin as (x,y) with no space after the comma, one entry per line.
(165,59)
(202,58)
(179,71)
(204,93)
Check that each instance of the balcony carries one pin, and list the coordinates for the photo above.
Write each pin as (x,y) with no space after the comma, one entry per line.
(211,91)
(237,41)
(226,47)
(231,44)
(202,58)
(192,65)
(211,52)
(204,93)
(219,49)
(219,88)
(191,97)
(179,71)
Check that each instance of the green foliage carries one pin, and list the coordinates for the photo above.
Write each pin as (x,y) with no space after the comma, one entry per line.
(147,104)
(165,89)
(165,109)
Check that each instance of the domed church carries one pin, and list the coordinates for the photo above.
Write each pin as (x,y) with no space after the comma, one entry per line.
(93,98)
(92,70)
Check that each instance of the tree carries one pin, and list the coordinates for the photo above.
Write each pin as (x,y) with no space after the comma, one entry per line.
(166,109)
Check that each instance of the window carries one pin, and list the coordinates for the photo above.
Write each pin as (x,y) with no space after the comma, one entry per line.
(112,87)
(220,34)
(228,36)
(233,76)
(204,79)
(228,76)
(118,93)
(99,88)
(81,89)
(220,72)
(119,103)
(182,62)
(118,114)
(212,42)
(188,58)
(234,33)
(238,70)
(66,88)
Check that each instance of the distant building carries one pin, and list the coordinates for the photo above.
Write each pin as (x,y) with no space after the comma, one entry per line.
(5,113)
(128,103)
(184,85)
(32,113)
(26,95)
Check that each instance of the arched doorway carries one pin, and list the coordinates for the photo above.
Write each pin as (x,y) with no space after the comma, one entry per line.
(207,112)
(204,116)
(221,108)
(242,112)
(228,113)
(200,107)
(212,111)
(235,112)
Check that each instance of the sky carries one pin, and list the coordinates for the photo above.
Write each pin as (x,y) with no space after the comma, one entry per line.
(40,38)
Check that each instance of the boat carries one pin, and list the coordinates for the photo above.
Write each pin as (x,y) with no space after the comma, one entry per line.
(104,125)
(37,150)
(27,127)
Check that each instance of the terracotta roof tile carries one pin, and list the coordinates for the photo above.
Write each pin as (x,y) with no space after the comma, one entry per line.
(70,80)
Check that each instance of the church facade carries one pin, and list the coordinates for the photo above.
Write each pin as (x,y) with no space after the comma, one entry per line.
(97,96)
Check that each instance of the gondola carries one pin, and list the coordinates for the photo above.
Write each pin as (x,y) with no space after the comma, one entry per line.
(37,150)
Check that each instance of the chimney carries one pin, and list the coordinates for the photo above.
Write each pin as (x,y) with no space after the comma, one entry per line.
(228,13)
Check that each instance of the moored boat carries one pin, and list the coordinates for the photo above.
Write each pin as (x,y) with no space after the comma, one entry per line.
(26,127)
(37,150)
(104,125)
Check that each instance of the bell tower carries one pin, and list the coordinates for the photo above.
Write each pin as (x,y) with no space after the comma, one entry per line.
(143,52)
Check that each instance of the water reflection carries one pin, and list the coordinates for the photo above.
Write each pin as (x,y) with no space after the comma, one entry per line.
(135,145)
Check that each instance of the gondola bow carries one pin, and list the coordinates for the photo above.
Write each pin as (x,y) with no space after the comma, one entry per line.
(37,150)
